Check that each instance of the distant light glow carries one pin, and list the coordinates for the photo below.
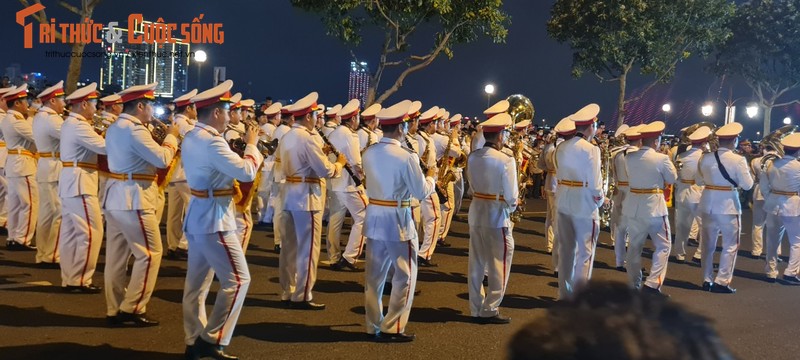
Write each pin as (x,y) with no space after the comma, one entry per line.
(489,89)
(666,108)
(707,109)
(159,111)
(200,56)
(787,120)
(752,110)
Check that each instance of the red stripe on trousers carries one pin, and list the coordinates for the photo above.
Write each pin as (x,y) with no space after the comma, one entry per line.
(435,221)
(505,256)
(149,261)
(310,253)
(408,284)
(30,209)
(89,248)
(666,234)
(238,284)
(591,257)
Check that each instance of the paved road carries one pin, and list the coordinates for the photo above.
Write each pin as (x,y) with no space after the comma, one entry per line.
(38,321)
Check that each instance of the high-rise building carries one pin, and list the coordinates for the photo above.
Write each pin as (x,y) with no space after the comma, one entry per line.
(126,64)
(359,82)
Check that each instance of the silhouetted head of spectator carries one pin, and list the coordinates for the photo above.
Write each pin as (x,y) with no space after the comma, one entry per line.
(609,320)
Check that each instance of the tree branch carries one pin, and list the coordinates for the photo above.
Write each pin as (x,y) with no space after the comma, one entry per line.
(71,8)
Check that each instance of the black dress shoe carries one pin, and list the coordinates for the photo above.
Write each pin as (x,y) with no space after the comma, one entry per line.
(135,320)
(442,243)
(652,291)
(48,265)
(205,350)
(177,254)
(188,353)
(497,319)
(791,279)
(15,246)
(307,305)
(722,289)
(87,289)
(422,262)
(555,274)
(394,338)
(621,269)
(277,249)
(693,242)
(343,264)
(707,286)
(695,260)
(771,280)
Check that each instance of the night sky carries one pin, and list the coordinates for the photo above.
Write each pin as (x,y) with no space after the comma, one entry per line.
(273,49)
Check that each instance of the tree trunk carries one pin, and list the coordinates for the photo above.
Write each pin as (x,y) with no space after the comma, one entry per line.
(370,95)
(74,71)
(621,101)
(767,114)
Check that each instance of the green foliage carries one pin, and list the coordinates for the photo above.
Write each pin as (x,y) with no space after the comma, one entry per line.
(610,37)
(764,47)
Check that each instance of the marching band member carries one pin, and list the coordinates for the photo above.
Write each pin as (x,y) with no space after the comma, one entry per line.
(279,179)
(394,177)
(178,189)
(47,136)
(493,176)
(82,223)
(130,204)
(327,122)
(458,185)
(20,171)
(211,168)
(687,194)
(446,157)
(619,227)
(722,172)
(303,164)
(431,215)
(267,209)
(366,133)
(579,196)
(412,143)
(758,212)
(348,196)
(780,184)
(499,107)
(645,209)
(244,215)
(3,156)
(112,109)
(564,130)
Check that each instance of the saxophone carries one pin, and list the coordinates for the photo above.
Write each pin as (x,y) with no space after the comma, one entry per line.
(605,176)
(774,140)
(446,174)
(522,188)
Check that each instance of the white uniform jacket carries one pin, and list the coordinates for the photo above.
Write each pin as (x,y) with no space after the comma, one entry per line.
(708,174)
(345,141)
(3,148)
(651,170)
(210,164)
(18,134)
(394,174)
(132,150)
(578,162)
(491,172)
(547,164)
(302,161)
(366,137)
(184,125)
(79,144)
(277,173)
(755,166)
(781,178)
(687,191)
(424,140)
(47,134)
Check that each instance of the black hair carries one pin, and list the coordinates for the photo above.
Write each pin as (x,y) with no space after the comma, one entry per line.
(131,105)
(492,136)
(389,128)
(205,112)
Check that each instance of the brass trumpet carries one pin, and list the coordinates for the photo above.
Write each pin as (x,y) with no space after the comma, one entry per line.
(159,131)
(238,144)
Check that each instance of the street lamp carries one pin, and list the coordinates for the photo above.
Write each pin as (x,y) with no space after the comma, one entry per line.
(489,90)
(666,108)
(707,109)
(787,120)
(200,57)
(752,110)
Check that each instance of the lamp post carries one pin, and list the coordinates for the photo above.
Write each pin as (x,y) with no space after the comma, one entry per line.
(666,108)
(200,57)
(489,90)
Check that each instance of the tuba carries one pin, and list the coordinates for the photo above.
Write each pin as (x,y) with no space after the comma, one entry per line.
(684,142)
(773,140)
(520,108)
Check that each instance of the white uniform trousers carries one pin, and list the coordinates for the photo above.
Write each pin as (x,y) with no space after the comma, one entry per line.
(81,239)
(244,227)
(341,202)
(619,231)
(638,230)
(577,240)
(448,209)
(458,191)
(489,249)
(131,232)
(265,210)
(383,257)
(101,190)
(276,197)
(299,254)
(178,201)
(23,208)
(431,223)
(220,254)
(161,201)
(549,227)
(775,229)
(3,196)
(759,220)
(730,228)
(48,223)
(686,218)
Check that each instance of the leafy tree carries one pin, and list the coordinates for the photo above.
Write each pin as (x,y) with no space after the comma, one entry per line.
(611,38)
(84,11)
(454,22)
(762,51)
